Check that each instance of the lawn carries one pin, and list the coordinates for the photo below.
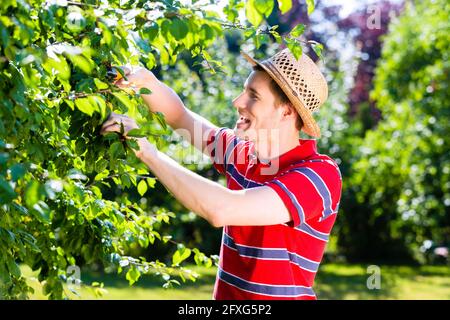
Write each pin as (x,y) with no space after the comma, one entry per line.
(334,281)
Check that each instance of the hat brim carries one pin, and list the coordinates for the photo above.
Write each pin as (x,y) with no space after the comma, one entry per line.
(310,126)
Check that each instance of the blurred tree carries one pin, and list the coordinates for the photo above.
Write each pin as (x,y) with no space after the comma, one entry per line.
(365,27)
(400,181)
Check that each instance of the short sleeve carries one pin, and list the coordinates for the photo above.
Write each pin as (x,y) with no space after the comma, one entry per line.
(226,150)
(309,192)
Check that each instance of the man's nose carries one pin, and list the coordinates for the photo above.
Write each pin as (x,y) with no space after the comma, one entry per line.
(237,102)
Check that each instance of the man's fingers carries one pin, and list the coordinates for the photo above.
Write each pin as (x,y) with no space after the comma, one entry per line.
(113,117)
(122,83)
(111,128)
(116,122)
(126,70)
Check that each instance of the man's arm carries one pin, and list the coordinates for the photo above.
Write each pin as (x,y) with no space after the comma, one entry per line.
(191,126)
(218,205)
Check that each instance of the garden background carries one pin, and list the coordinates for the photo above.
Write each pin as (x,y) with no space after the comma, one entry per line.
(81,218)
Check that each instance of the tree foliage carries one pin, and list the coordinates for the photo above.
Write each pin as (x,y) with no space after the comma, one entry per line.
(64,190)
(399,182)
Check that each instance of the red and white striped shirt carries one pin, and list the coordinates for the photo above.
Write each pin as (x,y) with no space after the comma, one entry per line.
(276,261)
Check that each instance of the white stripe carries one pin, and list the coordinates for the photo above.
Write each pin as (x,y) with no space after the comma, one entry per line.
(240,174)
(276,259)
(232,150)
(302,213)
(231,176)
(312,235)
(265,248)
(252,257)
(264,284)
(318,192)
(216,136)
(264,294)
(323,233)
(326,187)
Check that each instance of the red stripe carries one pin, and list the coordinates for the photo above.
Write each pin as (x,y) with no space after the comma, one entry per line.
(257,270)
(280,236)
(225,291)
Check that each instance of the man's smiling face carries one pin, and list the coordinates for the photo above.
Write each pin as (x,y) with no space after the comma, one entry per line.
(256,106)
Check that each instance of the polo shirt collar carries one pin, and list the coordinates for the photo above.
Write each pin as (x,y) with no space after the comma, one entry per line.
(305,149)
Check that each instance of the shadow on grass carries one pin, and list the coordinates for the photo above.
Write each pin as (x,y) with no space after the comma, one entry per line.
(333,281)
(352,286)
(147,281)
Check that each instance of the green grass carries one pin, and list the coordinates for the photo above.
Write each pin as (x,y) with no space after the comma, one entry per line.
(334,281)
(397,282)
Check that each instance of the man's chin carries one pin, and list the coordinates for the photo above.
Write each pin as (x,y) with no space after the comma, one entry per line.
(243,134)
(239,132)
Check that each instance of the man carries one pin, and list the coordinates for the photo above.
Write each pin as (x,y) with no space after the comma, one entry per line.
(282,196)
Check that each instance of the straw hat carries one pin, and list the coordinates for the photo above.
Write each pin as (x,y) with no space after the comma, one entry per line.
(302,82)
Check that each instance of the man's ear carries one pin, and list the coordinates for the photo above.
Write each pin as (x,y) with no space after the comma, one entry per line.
(288,110)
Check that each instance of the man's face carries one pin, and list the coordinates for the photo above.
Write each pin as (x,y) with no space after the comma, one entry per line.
(257,113)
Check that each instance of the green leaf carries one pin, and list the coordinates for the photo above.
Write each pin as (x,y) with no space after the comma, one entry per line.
(70,103)
(83,63)
(101,175)
(295,47)
(151,31)
(101,165)
(284,5)
(133,144)
(142,187)
(144,91)
(151,182)
(6,191)
(207,32)
(160,118)
(231,13)
(260,39)
(32,193)
(17,171)
(252,14)
(136,133)
(85,106)
(59,65)
(41,211)
(107,36)
(297,31)
(310,5)
(178,28)
(100,84)
(125,179)
(13,268)
(99,104)
(116,149)
(265,7)
(123,99)
(317,47)
(180,255)
(133,275)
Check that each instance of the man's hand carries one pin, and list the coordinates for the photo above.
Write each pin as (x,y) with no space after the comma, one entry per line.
(138,78)
(115,122)
(122,125)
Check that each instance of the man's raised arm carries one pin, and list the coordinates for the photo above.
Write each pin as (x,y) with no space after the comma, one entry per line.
(193,127)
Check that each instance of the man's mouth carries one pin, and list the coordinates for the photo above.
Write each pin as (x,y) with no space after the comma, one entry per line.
(243,122)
